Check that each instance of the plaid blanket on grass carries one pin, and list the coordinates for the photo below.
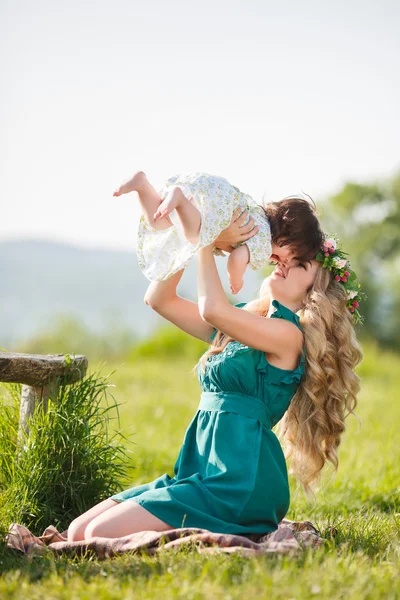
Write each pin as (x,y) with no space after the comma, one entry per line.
(291,537)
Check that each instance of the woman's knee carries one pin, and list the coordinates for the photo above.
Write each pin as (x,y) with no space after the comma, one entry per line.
(76,530)
(92,530)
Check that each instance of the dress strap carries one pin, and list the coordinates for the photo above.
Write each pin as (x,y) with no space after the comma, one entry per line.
(281,312)
(240,304)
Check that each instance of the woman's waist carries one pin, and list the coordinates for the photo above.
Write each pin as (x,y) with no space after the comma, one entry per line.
(235,402)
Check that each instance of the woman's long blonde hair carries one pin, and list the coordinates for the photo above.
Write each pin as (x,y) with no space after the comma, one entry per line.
(312,427)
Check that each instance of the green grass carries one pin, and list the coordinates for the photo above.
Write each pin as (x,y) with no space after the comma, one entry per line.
(69,461)
(357,510)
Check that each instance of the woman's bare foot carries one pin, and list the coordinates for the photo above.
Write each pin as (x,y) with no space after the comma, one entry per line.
(133,184)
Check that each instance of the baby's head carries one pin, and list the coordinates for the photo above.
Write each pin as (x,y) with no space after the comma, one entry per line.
(295,229)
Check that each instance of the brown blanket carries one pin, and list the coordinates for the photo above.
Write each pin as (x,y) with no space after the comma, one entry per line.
(290,537)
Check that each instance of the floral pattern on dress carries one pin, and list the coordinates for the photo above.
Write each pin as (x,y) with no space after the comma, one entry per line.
(163,253)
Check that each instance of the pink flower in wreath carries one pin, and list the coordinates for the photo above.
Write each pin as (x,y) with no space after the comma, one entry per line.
(329,244)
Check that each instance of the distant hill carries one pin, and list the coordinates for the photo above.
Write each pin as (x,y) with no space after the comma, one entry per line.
(40,280)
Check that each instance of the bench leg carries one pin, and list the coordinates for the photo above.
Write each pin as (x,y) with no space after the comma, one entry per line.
(31,398)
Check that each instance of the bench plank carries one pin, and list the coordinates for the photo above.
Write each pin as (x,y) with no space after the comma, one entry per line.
(38,370)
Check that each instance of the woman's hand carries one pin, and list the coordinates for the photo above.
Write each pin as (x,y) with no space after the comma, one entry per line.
(239,230)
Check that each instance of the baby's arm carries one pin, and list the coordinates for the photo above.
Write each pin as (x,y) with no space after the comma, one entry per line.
(237,263)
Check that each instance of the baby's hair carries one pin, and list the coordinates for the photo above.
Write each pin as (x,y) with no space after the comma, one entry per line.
(294,222)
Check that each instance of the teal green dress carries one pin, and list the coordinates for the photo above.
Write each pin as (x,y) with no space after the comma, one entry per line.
(230,475)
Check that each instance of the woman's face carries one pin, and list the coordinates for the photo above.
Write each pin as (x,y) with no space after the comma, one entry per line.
(289,283)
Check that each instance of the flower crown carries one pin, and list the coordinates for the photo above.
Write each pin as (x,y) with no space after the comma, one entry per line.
(334,259)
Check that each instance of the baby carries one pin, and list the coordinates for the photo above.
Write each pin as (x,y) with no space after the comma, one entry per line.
(192,209)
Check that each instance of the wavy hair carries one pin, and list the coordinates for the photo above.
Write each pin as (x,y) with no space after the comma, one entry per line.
(311,428)
(294,222)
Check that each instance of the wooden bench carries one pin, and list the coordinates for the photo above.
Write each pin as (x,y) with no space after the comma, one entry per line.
(40,374)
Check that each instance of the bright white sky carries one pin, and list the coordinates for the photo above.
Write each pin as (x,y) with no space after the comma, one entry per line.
(275,96)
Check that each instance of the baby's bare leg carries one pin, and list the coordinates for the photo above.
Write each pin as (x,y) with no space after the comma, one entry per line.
(237,263)
(149,199)
(188,213)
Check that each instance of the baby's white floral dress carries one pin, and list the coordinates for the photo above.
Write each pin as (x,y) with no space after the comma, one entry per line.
(163,253)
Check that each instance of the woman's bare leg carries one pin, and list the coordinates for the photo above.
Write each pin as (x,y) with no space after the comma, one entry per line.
(125,518)
(237,263)
(76,530)
(149,199)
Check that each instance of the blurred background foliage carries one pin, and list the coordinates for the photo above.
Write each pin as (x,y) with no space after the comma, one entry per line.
(68,334)
(366,217)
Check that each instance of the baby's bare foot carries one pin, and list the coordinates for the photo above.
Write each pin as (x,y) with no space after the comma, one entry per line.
(131,185)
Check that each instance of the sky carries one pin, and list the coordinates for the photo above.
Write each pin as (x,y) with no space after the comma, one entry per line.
(278,98)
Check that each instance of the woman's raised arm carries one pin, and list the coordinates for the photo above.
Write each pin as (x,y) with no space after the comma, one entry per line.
(274,336)
(162,297)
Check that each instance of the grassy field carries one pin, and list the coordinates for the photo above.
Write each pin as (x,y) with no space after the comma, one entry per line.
(362,560)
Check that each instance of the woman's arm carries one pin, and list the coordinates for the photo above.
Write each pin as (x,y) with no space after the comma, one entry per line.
(274,336)
(162,297)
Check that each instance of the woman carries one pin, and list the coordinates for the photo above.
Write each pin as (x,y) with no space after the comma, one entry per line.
(290,353)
